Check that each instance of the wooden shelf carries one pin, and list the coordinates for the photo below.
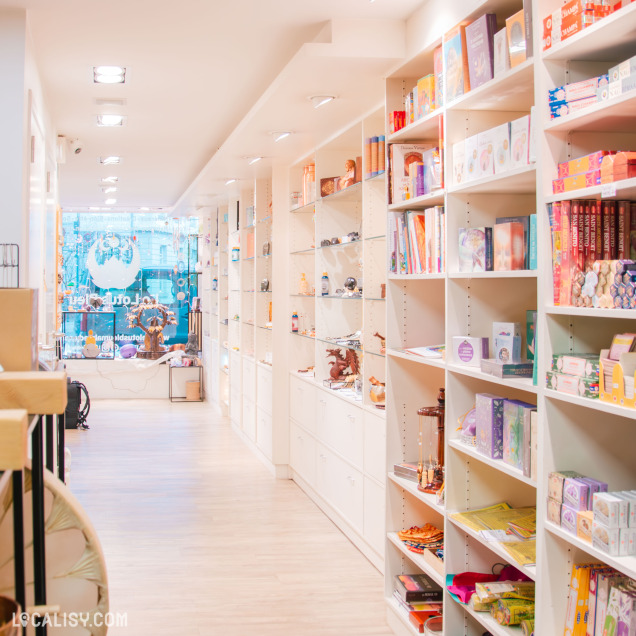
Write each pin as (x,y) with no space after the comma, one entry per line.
(590,312)
(625,189)
(519,181)
(496,464)
(523,273)
(597,405)
(425,201)
(416,559)
(524,384)
(625,565)
(411,487)
(413,357)
(487,621)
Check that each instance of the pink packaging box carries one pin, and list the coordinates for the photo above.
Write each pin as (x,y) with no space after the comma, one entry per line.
(577,182)
(582,164)
(555,483)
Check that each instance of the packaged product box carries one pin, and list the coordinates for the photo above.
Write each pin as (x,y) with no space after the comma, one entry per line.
(575,91)
(438,71)
(554,511)
(607,169)
(531,326)
(622,70)
(561,109)
(575,494)
(489,425)
(584,522)
(516,32)
(502,57)
(593,161)
(577,182)
(459,163)
(501,143)
(508,246)
(19,324)
(469,351)
(630,496)
(584,365)
(568,519)
(471,161)
(627,542)
(578,596)
(551,30)
(534,445)
(624,166)
(610,510)
(516,433)
(475,249)
(519,141)
(572,385)
(486,154)
(606,581)
(594,486)
(555,483)
(604,538)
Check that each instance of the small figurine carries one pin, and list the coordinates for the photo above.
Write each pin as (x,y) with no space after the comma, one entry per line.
(192,348)
(377,391)
(349,177)
(382,341)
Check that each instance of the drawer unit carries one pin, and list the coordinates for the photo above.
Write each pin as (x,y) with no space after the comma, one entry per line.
(264,388)
(374,506)
(343,428)
(303,453)
(249,379)
(302,407)
(375,446)
(236,407)
(264,432)
(341,485)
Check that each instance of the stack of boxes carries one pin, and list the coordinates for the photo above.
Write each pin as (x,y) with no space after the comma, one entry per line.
(614,522)
(622,77)
(582,172)
(575,374)
(570,98)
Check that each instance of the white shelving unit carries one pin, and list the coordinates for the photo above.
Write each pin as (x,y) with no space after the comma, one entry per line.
(338,436)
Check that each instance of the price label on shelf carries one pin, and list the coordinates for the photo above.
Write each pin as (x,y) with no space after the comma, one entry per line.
(608,190)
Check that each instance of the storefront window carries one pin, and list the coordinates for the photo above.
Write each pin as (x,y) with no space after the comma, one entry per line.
(112,261)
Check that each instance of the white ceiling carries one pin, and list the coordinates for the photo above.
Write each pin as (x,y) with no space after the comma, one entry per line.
(208,80)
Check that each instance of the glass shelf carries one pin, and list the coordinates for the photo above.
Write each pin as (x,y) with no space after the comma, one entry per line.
(264,292)
(307,251)
(302,295)
(308,207)
(249,258)
(341,297)
(326,247)
(265,219)
(336,344)
(375,177)
(302,335)
(353,191)
(375,238)
(265,256)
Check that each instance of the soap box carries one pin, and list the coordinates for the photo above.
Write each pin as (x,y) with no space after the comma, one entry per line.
(604,538)
(572,385)
(568,519)
(575,494)
(595,486)
(469,351)
(610,510)
(554,511)
(585,365)
(582,164)
(584,522)
(489,424)
(555,483)
(627,544)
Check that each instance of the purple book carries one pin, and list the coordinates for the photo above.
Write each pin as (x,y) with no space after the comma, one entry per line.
(480,47)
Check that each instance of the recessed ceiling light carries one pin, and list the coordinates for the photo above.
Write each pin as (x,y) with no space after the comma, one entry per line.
(110,201)
(254,160)
(109,74)
(229,181)
(144,209)
(110,161)
(109,189)
(110,120)
(321,100)
(110,179)
(279,136)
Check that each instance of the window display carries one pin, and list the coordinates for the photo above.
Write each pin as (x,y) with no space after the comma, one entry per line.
(110,262)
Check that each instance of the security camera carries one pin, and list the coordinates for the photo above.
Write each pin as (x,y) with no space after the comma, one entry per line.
(76,146)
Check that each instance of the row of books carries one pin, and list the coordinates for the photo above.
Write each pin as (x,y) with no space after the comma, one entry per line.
(590,237)
(494,151)
(419,597)
(416,241)
(600,601)
(374,156)
(414,170)
(510,245)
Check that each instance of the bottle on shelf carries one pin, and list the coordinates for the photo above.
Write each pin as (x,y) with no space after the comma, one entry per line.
(324,284)
(295,322)
(303,286)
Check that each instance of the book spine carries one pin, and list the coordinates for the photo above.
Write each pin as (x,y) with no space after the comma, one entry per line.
(632,231)
(613,233)
(586,234)
(527,20)
(488,257)
(367,157)
(374,156)
(566,282)
(580,258)
(554,217)
(440,133)
(622,229)
(438,240)
(605,212)
(381,151)
(533,242)
(594,226)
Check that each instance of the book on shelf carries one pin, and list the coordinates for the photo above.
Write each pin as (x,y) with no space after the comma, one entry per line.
(433,351)
(479,46)
(457,76)
(417,588)
(501,62)
(414,170)
(418,613)
(475,249)
(417,239)
(516,30)
(507,369)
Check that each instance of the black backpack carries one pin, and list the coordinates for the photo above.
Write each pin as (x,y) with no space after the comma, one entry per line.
(76,412)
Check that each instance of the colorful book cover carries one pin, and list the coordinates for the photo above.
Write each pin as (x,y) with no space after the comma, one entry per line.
(480,49)
(516,31)
(508,247)
(425,95)
(438,70)
(501,55)
(486,153)
(501,140)
(401,157)
(519,141)
(473,249)
(459,161)
(471,159)
(512,434)
(457,77)
(525,221)
(419,222)
(533,242)
(566,283)
(554,217)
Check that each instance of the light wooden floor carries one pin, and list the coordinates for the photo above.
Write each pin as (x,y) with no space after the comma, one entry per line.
(201,540)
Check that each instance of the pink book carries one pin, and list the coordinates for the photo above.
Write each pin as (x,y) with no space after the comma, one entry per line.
(566,235)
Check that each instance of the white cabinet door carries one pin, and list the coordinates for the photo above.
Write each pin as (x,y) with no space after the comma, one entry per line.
(264,388)
(374,505)
(303,453)
(375,446)
(341,485)
(302,407)
(249,418)
(236,369)
(249,379)
(236,407)
(343,429)
(264,432)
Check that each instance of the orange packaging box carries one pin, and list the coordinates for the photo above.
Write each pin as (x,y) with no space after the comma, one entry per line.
(577,181)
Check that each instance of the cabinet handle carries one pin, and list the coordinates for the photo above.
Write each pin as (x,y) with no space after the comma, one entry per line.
(323,457)
(351,479)
(352,418)
(322,402)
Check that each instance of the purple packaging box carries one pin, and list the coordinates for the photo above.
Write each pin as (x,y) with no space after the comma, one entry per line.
(569,519)
(555,483)
(626,613)
(489,430)
(595,486)
(575,493)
